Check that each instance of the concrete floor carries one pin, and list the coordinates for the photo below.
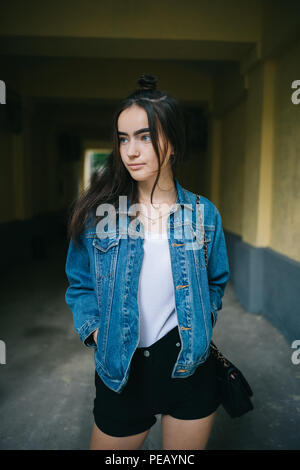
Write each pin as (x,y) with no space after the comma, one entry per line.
(47,384)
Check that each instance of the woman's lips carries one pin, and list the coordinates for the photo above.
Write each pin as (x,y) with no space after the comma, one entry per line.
(136,166)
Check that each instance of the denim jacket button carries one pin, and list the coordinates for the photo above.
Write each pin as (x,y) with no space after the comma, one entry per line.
(146,353)
(178,344)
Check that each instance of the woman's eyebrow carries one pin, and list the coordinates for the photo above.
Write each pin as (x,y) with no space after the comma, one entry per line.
(145,129)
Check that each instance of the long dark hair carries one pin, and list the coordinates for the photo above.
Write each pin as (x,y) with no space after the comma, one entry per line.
(165,118)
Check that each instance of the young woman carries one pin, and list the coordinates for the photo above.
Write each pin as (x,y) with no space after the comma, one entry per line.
(145,291)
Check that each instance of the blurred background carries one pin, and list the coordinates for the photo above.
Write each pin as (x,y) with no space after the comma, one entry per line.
(64,67)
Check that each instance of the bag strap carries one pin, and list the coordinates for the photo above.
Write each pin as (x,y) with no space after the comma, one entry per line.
(215,351)
(213,348)
(202,229)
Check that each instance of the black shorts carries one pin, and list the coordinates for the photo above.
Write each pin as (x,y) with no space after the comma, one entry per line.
(150,390)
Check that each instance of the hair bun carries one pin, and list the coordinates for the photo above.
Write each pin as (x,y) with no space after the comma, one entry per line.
(147,82)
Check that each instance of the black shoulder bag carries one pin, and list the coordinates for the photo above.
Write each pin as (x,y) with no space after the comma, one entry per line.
(234,389)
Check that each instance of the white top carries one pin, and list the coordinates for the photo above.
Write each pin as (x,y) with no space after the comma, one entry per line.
(156,298)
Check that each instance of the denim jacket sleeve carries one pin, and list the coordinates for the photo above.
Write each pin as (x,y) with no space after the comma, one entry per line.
(80,295)
(218,268)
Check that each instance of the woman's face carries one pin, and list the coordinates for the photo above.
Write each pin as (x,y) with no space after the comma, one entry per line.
(136,146)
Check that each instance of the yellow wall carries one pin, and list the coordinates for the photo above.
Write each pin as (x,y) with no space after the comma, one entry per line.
(285,236)
(259,180)
(252,156)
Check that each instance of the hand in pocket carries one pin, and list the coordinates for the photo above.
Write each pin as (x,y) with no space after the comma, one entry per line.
(95,334)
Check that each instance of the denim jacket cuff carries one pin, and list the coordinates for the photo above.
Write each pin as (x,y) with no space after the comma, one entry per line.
(85,332)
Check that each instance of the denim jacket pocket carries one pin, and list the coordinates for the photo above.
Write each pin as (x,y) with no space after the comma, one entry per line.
(105,256)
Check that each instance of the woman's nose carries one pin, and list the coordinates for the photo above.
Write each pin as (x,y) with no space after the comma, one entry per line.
(132,149)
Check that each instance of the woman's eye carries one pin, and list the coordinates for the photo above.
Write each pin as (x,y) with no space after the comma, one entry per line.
(146,137)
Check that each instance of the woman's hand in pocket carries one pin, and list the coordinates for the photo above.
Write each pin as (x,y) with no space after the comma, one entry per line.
(95,334)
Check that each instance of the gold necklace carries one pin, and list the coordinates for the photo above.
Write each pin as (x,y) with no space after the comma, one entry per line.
(154,219)
(155,203)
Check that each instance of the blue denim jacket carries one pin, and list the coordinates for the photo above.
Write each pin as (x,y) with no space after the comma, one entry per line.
(103,276)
